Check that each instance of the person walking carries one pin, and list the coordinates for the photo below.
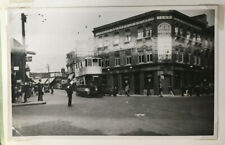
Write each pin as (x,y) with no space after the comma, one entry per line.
(52,89)
(70,93)
(26,92)
(40,91)
(149,87)
(127,88)
(160,90)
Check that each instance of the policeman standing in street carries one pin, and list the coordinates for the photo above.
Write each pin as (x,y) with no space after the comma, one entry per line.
(40,91)
(70,92)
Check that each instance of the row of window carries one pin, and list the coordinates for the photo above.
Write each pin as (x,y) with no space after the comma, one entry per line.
(190,36)
(148,58)
(179,57)
(141,33)
(141,59)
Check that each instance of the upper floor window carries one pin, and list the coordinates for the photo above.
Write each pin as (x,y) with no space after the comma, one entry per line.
(189,58)
(140,34)
(100,62)
(100,41)
(117,61)
(149,57)
(141,58)
(176,54)
(176,31)
(198,38)
(188,35)
(128,60)
(127,37)
(106,41)
(116,39)
(148,31)
(181,32)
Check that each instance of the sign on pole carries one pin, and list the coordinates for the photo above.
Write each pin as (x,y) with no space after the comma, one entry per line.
(28,58)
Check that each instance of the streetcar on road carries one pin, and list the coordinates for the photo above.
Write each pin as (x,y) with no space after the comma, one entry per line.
(88,72)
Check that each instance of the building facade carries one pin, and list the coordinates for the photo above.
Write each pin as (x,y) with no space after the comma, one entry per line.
(157,49)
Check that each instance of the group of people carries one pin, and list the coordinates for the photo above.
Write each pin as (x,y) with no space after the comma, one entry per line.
(27,90)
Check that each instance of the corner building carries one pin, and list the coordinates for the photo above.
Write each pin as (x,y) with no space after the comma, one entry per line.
(156,49)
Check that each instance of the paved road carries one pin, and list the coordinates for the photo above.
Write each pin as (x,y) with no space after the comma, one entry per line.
(137,115)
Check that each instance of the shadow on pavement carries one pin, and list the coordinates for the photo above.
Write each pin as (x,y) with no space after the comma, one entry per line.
(54,128)
(141,132)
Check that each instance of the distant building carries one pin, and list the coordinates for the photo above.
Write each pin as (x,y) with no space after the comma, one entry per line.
(156,49)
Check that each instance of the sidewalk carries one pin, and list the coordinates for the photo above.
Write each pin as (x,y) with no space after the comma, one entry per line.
(30,101)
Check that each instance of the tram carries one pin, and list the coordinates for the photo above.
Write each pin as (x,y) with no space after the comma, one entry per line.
(88,73)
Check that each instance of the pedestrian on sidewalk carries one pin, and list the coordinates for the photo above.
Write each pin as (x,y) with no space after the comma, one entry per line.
(160,90)
(40,91)
(149,87)
(127,89)
(26,92)
(69,91)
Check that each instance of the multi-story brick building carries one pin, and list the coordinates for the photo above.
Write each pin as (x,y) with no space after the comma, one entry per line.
(157,48)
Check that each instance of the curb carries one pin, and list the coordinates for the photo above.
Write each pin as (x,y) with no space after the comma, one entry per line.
(28,103)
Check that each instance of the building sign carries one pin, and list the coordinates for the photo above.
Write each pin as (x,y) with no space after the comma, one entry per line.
(164,42)
(125,26)
(164,17)
(29,58)
(16,68)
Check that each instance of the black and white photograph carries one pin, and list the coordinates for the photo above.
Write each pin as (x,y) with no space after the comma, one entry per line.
(112,71)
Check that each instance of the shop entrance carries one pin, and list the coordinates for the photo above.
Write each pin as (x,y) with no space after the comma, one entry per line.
(136,83)
(165,82)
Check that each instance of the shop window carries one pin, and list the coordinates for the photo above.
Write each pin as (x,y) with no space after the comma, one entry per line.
(149,57)
(177,79)
(198,60)
(181,57)
(141,58)
(117,61)
(176,56)
(140,34)
(195,60)
(128,60)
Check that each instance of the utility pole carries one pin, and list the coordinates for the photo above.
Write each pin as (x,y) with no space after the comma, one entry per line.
(23,20)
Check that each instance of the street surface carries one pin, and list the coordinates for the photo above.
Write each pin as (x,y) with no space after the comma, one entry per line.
(121,115)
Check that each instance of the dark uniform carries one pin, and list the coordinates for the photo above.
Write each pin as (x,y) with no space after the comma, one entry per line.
(40,92)
(69,94)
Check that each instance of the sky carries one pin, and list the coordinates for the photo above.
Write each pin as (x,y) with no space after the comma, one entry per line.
(53,32)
